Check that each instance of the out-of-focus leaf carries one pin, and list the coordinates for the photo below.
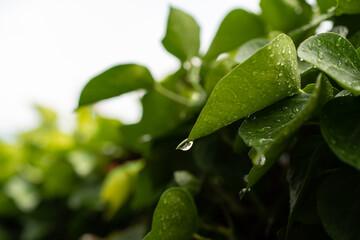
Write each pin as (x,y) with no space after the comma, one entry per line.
(182,37)
(335,56)
(347,7)
(301,173)
(326,5)
(338,204)
(266,77)
(161,115)
(119,185)
(269,131)
(237,28)
(285,15)
(217,71)
(249,48)
(175,216)
(340,126)
(23,193)
(114,82)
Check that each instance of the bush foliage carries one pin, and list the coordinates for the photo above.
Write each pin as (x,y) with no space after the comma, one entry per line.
(268,121)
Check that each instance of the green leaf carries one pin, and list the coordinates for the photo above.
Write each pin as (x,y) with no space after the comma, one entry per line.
(175,216)
(238,27)
(355,40)
(119,184)
(300,34)
(338,204)
(249,48)
(285,15)
(335,56)
(266,77)
(301,173)
(161,115)
(340,126)
(269,131)
(217,71)
(325,5)
(182,38)
(114,82)
(347,7)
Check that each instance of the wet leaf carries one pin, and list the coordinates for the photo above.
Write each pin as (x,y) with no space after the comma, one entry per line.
(175,216)
(338,204)
(182,37)
(269,131)
(266,77)
(237,28)
(340,126)
(335,56)
(114,82)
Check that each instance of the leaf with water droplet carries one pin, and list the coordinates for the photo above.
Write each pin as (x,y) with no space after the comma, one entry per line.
(338,202)
(240,93)
(334,51)
(177,219)
(114,82)
(280,133)
(340,126)
(230,34)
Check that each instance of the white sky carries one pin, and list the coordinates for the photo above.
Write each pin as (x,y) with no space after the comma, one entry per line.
(50,49)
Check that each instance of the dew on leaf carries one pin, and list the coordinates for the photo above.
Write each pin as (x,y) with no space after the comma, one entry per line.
(185,145)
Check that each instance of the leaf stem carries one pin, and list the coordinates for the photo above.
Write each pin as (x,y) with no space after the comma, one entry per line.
(172,95)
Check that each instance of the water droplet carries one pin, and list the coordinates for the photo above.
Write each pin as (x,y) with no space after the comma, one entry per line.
(338,42)
(284,108)
(185,145)
(295,109)
(318,42)
(321,55)
(245,178)
(280,74)
(301,60)
(260,160)
(243,192)
(319,60)
(292,116)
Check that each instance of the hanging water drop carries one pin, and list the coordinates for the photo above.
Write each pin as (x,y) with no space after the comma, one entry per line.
(185,145)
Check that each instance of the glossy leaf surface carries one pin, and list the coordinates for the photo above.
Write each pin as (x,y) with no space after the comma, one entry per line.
(175,216)
(340,126)
(270,130)
(338,204)
(182,37)
(114,82)
(335,56)
(238,27)
(266,77)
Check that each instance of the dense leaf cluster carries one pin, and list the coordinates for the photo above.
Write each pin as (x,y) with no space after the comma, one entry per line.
(268,119)
(271,108)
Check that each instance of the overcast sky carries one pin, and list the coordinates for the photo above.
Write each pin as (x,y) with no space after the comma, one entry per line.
(49,50)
